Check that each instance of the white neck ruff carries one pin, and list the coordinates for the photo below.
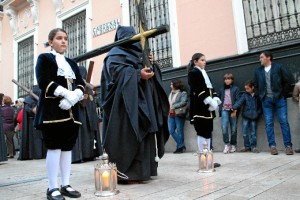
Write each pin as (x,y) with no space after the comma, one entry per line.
(64,68)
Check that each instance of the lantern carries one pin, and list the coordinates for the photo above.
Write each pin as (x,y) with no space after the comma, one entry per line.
(105,177)
(206,160)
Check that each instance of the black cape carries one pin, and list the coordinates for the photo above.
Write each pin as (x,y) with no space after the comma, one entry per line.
(32,144)
(3,149)
(88,144)
(134,110)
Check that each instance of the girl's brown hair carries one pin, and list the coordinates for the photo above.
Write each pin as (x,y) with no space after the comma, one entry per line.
(178,84)
(195,57)
(54,31)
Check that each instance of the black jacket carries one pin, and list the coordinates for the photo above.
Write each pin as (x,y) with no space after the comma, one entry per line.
(252,106)
(281,81)
(48,110)
(234,93)
(199,92)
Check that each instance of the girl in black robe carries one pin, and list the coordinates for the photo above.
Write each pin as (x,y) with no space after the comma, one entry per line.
(203,100)
(57,112)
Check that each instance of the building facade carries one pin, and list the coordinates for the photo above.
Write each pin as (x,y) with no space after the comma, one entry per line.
(217,28)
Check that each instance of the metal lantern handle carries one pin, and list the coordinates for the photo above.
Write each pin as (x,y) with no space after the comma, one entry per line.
(121,175)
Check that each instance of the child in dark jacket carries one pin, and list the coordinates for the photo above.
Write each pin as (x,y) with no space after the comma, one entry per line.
(251,111)
(229,94)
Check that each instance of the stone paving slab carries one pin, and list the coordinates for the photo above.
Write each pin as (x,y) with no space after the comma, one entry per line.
(241,176)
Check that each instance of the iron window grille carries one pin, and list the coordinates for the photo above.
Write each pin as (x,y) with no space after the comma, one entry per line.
(25,65)
(271,22)
(157,13)
(75,26)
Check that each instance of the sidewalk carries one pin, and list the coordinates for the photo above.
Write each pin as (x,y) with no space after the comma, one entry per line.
(241,176)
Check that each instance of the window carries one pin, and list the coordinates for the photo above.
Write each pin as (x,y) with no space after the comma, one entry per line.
(157,14)
(75,26)
(25,65)
(271,22)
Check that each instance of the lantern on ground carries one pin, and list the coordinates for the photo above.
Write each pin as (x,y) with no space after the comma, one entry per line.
(206,160)
(105,177)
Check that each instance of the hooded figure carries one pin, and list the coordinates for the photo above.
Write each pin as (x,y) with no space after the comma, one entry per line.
(89,134)
(32,144)
(135,127)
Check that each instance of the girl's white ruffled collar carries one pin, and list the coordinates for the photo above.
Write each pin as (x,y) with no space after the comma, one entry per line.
(64,68)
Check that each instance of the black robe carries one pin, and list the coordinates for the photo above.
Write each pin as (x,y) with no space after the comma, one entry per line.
(134,110)
(3,149)
(89,131)
(32,144)
(200,116)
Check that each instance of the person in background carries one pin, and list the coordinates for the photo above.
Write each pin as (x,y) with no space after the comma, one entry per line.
(88,144)
(177,99)
(19,103)
(32,144)
(296,96)
(3,148)
(273,84)
(57,113)
(229,94)
(251,111)
(7,113)
(20,123)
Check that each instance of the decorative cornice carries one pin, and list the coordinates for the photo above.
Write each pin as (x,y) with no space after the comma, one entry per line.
(25,35)
(12,15)
(84,3)
(57,5)
(34,7)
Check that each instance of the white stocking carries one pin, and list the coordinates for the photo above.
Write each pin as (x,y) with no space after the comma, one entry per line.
(200,141)
(65,167)
(52,164)
(208,144)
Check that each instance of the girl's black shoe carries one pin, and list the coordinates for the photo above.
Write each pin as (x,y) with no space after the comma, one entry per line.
(56,197)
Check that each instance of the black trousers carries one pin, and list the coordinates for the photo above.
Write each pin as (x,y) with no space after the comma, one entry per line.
(60,135)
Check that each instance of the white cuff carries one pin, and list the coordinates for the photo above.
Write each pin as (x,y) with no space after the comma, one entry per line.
(207,100)
(217,99)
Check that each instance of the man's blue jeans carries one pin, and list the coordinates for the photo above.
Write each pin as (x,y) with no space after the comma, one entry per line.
(226,120)
(176,125)
(270,106)
(252,123)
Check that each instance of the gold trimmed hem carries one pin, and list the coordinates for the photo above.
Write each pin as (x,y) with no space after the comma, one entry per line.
(61,120)
(200,116)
